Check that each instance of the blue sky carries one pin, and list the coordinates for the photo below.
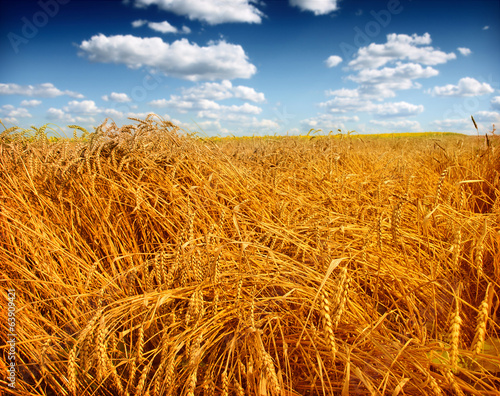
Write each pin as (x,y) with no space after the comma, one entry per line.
(247,67)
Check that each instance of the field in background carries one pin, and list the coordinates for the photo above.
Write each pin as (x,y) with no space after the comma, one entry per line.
(149,262)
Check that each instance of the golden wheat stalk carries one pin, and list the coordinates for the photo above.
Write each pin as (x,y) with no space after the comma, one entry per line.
(440,186)
(327,321)
(482,320)
(454,335)
(72,371)
(225,383)
(341,295)
(102,357)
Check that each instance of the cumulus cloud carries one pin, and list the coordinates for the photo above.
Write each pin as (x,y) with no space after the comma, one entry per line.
(223,112)
(495,102)
(162,27)
(328,121)
(206,107)
(350,101)
(453,124)
(45,90)
(264,123)
(400,47)
(345,100)
(486,27)
(333,61)
(397,109)
(464,51)
(211,11)
(117,97)
(343,92)
(382,83)
(466,86)
(383,69)
(484,121)
(220,91)
(181,58)
(59,115)
(12,114)
(319,7)
(139,23)
(202,98)
(82,107)
(82,111)
(487,116)
(31,103)
(402,125)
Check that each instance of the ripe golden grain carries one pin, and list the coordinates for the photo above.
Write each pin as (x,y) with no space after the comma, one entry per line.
(482,320)
(454,335)
(102,357)
(72,371)
(225,384)
(67,232)
(327,321)
(440,186)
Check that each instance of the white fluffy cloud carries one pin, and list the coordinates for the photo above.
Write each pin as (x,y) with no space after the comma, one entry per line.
(453,124)
(319,7)
(484,121)
(12,114)
(45,90)
(397,109)
(382,83)
(264,123)
(162,27)
(83,107)
(203,98)
(381,70)
(487,116)
(399,126)
(84,111)
(181,58)
(347,100)
(31,103)
(495,102)
(139,22)
(400,47)
(117,97)
(210,11)
(220,91)
(231,113)
(464,51)
(206,108)
(333,61)
(329,121)
(59,115)
(466,86)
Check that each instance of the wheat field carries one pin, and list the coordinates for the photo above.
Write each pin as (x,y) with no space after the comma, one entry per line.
(149,261)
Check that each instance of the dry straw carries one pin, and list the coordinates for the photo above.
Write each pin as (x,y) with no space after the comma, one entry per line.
(125,245)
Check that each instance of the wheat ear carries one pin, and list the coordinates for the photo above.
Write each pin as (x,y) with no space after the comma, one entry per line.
(482,320)
(454,334)
(72,371)
(327,321)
